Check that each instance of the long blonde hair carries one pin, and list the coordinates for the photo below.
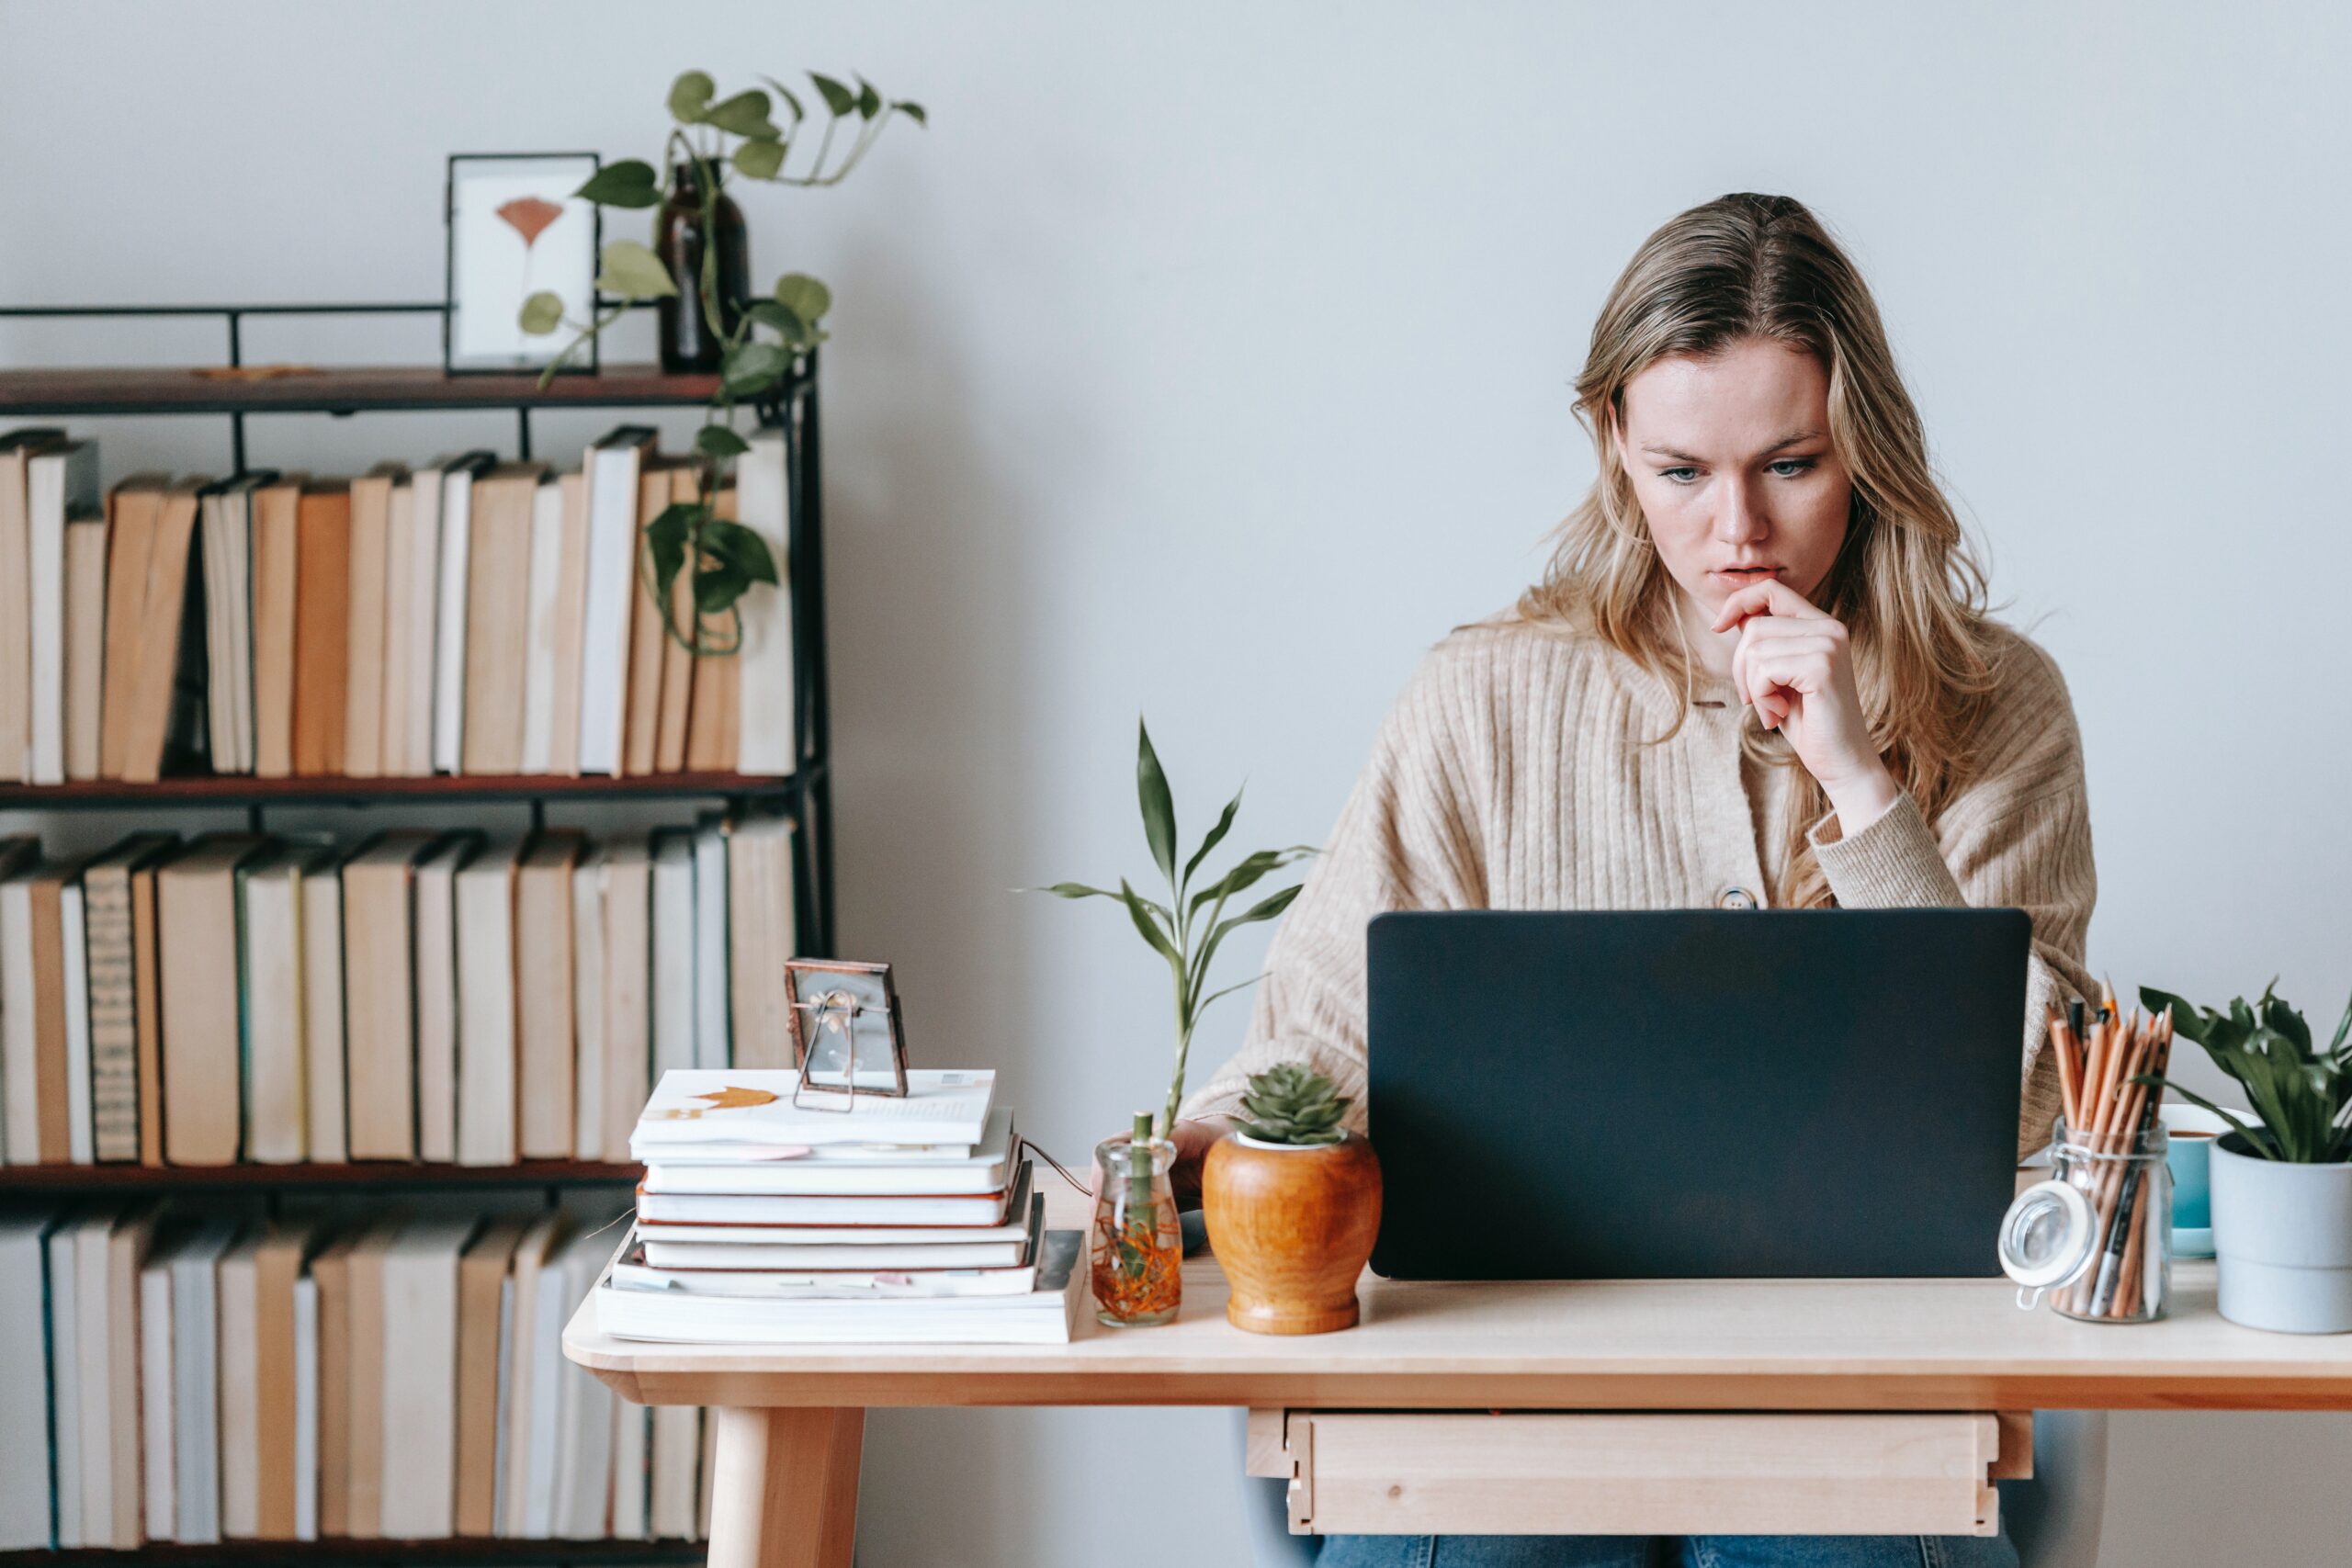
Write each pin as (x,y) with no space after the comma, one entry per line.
(1905,583)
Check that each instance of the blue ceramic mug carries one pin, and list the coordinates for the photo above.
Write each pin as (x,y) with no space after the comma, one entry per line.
(2192,1129)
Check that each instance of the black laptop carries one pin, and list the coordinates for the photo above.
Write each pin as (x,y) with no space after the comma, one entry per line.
(1694,1094)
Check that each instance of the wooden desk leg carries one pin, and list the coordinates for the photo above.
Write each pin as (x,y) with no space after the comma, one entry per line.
(785,1490)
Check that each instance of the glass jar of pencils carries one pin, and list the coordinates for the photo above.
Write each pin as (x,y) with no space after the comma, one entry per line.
(2097,1235)
(1136,1247)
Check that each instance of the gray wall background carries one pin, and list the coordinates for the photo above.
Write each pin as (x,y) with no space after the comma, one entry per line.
(1211,362)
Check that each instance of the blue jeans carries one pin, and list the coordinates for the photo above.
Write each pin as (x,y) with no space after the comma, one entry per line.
(1668,1552)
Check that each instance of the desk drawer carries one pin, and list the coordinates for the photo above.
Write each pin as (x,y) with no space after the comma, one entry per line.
(1649,1473)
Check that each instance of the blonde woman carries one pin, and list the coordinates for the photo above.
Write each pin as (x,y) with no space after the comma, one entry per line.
(1759,672)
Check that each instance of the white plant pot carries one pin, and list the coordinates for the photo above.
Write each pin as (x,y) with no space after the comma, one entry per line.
(2283,1235)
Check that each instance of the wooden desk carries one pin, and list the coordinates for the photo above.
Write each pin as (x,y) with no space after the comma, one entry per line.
(790,1420)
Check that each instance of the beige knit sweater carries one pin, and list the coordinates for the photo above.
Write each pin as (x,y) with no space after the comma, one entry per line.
(1511,774)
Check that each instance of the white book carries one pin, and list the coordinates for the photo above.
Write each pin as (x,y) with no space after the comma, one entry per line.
(528,1463)
(323,1074)
(588,1072)
(764,673)
(584,1480)
(449,624)
(632,1445)
(613,465)
(196,1382)
(1045,1314)
(61,481)
(306,1408)
(77,938)
(987,1169)
(19,1071)
(421,643)
(421,1384)
(91,1383)
(442,1069)
(538,645)
(65,1312)
(276,1115)
(219,711)
(551,1304)
(727,1209)
(155,1391)
(847,1248)
(488,1090)
(399,621)
(632,1271)
(24,1373)
(240,1394)
(675,1485)
(714,1044)
(692,1106)
(673,953)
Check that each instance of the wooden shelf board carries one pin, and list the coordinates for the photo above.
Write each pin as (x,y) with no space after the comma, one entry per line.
(244,789)
(366,1173)
(333,389)
(455,1550)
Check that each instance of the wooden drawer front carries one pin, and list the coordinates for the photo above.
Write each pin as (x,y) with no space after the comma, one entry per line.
(1664,1473)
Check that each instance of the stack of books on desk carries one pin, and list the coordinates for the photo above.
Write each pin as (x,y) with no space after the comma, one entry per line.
(839,1220)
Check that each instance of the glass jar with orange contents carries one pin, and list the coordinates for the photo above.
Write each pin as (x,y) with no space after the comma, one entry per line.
(1137,1247)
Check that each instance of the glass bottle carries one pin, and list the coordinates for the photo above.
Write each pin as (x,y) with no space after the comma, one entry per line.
(687,342)
(2097,1235)
(1136,1247)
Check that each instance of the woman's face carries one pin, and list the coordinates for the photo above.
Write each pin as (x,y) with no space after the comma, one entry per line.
(1730,458)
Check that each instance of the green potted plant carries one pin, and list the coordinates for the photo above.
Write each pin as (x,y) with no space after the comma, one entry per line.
(2283,1188)
(1136,1238)
(746,135)
(1292,1205)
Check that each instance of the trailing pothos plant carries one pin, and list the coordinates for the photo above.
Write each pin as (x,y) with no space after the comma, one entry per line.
(2302,1094)
(718,137)
(1187,930)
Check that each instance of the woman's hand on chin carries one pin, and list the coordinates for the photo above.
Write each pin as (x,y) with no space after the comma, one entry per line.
(1795,666)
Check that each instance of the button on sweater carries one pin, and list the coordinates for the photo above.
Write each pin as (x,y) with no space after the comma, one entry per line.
(1520,769)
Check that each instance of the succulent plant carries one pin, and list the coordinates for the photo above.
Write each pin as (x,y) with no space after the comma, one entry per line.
(1289,1103)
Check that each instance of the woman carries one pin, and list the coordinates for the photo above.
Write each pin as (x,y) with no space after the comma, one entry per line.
(1758,671)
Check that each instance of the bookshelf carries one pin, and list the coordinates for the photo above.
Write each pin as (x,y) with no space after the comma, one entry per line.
(101,393)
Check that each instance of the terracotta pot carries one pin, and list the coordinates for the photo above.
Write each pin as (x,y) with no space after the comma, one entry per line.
(1292,1227)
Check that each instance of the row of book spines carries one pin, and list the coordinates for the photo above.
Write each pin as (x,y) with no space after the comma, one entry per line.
(204,1332)
(282,1002)
(389,625)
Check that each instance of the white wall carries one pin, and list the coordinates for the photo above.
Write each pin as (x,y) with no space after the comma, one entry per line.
(1211,361)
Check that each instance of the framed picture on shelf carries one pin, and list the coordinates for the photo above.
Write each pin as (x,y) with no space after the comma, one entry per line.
(516,230)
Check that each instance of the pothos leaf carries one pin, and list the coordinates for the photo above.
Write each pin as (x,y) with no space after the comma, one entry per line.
(628,183)
(690,95)
(804,296)
(759,159)
(839,100)
(633,272)
(542,313)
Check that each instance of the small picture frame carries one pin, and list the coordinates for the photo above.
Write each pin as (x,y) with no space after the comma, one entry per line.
(848,1032)
(516,230)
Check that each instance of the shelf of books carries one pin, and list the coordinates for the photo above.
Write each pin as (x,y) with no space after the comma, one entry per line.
(311,1139)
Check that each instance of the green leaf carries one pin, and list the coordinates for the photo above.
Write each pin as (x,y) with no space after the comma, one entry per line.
(716,588)
(1264,910)
(869,102)
(759,160)
(689,96)
(628,183)
(1215,836)
(720,442)
(542,313)
(741,548)
(1246,873)
(791,99)
(2188,1019)
(1071,890)
(839,100)
(633,272)
(752,365)
(1159,805)
(1202,1005)
(665,541)
(1161,942)
(2282,1020)
(913,111)
(745,114)
(804,296)
(787,326)
(2343,1032)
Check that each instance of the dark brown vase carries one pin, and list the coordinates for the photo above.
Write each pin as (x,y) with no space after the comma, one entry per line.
(687,342)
